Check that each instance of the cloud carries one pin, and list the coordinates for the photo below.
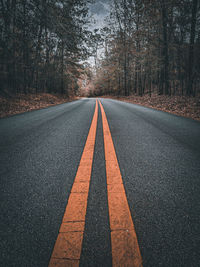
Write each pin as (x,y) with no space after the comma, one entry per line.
(99,10)
(99,7)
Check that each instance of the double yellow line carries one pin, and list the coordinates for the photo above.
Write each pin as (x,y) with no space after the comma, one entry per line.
(68,246)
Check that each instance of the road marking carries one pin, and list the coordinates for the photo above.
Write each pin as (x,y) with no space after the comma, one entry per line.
(67,249)
(125,248)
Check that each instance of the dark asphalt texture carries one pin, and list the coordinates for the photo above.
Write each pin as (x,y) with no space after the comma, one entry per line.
(159,158)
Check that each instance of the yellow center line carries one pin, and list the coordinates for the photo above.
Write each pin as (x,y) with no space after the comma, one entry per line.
(125,248)
(67,249)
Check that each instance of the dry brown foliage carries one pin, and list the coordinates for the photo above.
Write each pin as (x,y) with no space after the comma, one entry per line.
(23,103)
(180,105)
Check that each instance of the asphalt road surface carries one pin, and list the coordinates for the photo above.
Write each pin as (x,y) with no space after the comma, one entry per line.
(159,159)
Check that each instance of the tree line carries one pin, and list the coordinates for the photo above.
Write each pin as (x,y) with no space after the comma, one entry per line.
(151,46)
(42,43)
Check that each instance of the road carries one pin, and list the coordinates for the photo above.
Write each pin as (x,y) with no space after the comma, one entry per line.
(159,160)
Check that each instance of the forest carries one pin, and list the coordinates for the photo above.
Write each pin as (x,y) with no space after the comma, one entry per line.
(42,44)
(150,46)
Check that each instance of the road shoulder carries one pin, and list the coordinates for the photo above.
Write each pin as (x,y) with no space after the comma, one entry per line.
(188,107)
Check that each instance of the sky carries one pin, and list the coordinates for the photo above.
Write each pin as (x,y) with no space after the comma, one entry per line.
(100,9)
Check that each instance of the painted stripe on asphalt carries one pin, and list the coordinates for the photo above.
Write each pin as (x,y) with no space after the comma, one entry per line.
(67,249)
(125,248)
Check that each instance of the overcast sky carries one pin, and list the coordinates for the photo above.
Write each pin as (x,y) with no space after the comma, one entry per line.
(100,9)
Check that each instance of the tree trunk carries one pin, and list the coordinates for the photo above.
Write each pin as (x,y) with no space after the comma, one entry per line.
(24,49)
(165,49)
(62,67)
(191,48)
